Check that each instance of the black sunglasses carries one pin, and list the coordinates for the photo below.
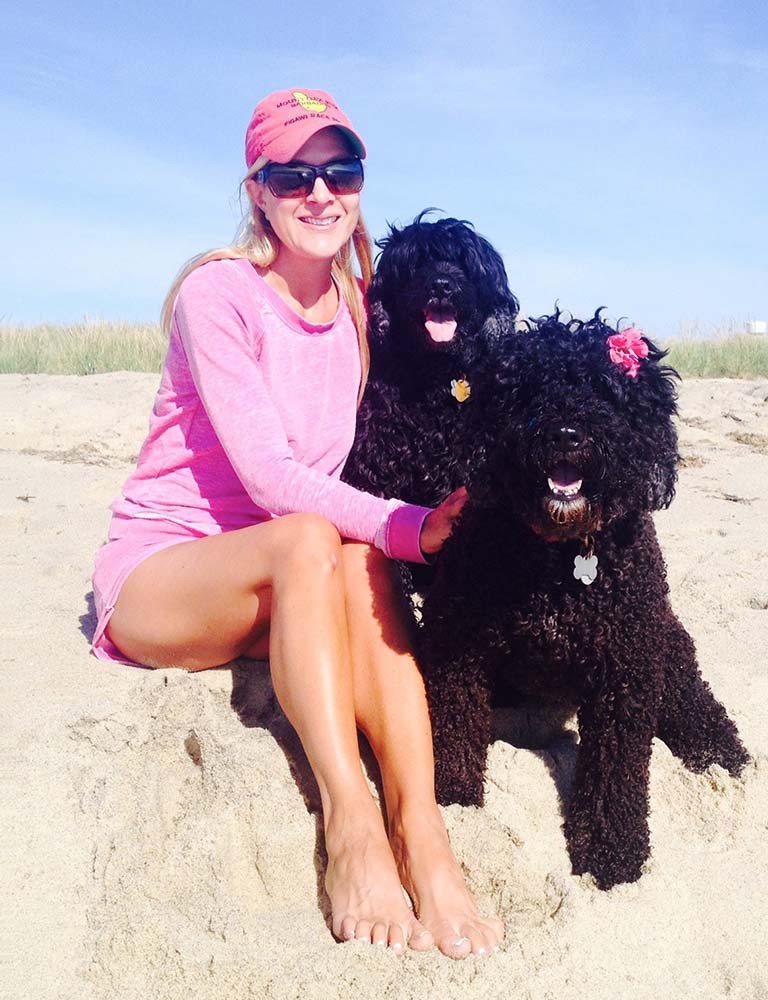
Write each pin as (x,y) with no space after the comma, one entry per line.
(297,180)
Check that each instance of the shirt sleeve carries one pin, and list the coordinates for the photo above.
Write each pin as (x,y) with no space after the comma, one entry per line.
(222,351)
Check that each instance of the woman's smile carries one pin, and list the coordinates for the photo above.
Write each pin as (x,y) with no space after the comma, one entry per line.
(321,222)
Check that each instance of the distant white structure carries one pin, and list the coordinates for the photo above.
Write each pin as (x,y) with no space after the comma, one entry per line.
(757,326)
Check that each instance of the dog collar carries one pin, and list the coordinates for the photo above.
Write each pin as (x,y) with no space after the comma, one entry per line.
(460,389)
(585,563)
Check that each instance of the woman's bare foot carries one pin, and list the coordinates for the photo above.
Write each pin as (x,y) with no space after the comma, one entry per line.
(363,885)
(431,874)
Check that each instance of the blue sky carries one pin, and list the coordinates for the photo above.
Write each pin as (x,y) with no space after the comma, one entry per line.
(616,156)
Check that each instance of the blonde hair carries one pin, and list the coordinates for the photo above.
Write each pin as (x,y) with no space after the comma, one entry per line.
(256,241)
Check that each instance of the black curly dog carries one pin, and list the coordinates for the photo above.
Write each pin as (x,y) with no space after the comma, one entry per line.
(577,453)
(439,309)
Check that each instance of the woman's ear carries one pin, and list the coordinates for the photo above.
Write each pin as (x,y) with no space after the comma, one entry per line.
(256,194)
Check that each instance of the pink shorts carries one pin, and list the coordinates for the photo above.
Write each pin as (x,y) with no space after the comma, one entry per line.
(131,541)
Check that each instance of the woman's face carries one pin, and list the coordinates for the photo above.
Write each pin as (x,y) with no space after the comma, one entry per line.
(316,226)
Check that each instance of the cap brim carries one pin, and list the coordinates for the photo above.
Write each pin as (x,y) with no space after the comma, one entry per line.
(284,148)
(354,140)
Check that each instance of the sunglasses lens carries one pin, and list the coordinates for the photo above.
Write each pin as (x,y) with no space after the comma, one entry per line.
(297,181)
(344,178)
(290,182)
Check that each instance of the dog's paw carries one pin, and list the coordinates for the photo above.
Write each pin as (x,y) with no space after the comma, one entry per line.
(612,854)
(733,758)
(609,867)
(457,789)
(728,752)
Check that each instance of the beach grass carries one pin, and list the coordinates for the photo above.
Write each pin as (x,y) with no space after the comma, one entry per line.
(86,348)
(741,356)
(90,348)
(725,351)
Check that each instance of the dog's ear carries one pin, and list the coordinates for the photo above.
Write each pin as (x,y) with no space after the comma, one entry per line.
(655,407)
(499,324)
(378,315)
(649,401)
(391,264)
(485,262)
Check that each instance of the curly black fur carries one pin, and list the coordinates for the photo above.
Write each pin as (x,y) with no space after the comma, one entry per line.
(414,438)
(576,456)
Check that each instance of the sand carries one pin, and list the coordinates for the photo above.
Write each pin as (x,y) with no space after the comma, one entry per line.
(161,837)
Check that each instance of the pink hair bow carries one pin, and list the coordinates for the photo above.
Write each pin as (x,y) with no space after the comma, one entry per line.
(628,349)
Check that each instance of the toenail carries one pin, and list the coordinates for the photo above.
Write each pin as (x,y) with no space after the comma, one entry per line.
(380,944)
(396,945)
(460,941)
(482,951)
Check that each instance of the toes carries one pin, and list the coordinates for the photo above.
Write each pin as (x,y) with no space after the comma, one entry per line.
(345,931)
(476,939)
(455,945)
(363,930)
(491,942)
(480,938)
(396,939)
(420,938)
(494,928)
(397,936)
(379,934)
(485,935)
(497,926)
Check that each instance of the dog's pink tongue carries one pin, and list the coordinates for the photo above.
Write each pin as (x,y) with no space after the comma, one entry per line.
(564,475)
(441,329)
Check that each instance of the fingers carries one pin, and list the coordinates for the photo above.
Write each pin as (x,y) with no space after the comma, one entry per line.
(439,523)
(455,501)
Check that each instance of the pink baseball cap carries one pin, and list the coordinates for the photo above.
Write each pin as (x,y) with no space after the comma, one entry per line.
(283,122)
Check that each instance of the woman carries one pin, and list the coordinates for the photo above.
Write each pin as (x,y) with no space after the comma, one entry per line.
(235,537)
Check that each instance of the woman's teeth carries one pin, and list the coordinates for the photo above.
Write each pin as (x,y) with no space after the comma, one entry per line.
(321,223)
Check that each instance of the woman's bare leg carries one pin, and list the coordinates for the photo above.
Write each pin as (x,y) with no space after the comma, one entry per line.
(392,710)
(201,603)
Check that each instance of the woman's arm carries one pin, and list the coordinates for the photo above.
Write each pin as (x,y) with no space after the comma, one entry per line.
(222,351)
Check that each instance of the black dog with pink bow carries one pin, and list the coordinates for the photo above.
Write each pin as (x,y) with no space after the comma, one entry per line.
(552,586)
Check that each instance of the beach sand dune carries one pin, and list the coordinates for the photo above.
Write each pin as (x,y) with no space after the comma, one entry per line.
(161,830)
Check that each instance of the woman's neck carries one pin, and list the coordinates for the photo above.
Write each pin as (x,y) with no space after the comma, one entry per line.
(306,286)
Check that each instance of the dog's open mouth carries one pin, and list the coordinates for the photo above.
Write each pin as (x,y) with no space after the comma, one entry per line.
(565,507)
(440,321)
(564,482)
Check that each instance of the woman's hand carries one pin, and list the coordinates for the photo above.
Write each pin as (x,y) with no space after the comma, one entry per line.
(439,524)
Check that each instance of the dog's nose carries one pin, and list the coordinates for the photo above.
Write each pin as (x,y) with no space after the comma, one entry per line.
(565,437)
(441,286)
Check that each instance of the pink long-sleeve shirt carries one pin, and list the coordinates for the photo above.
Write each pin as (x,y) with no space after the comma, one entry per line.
(255,417)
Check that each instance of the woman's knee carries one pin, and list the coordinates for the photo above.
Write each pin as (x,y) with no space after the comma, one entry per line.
(308,542)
